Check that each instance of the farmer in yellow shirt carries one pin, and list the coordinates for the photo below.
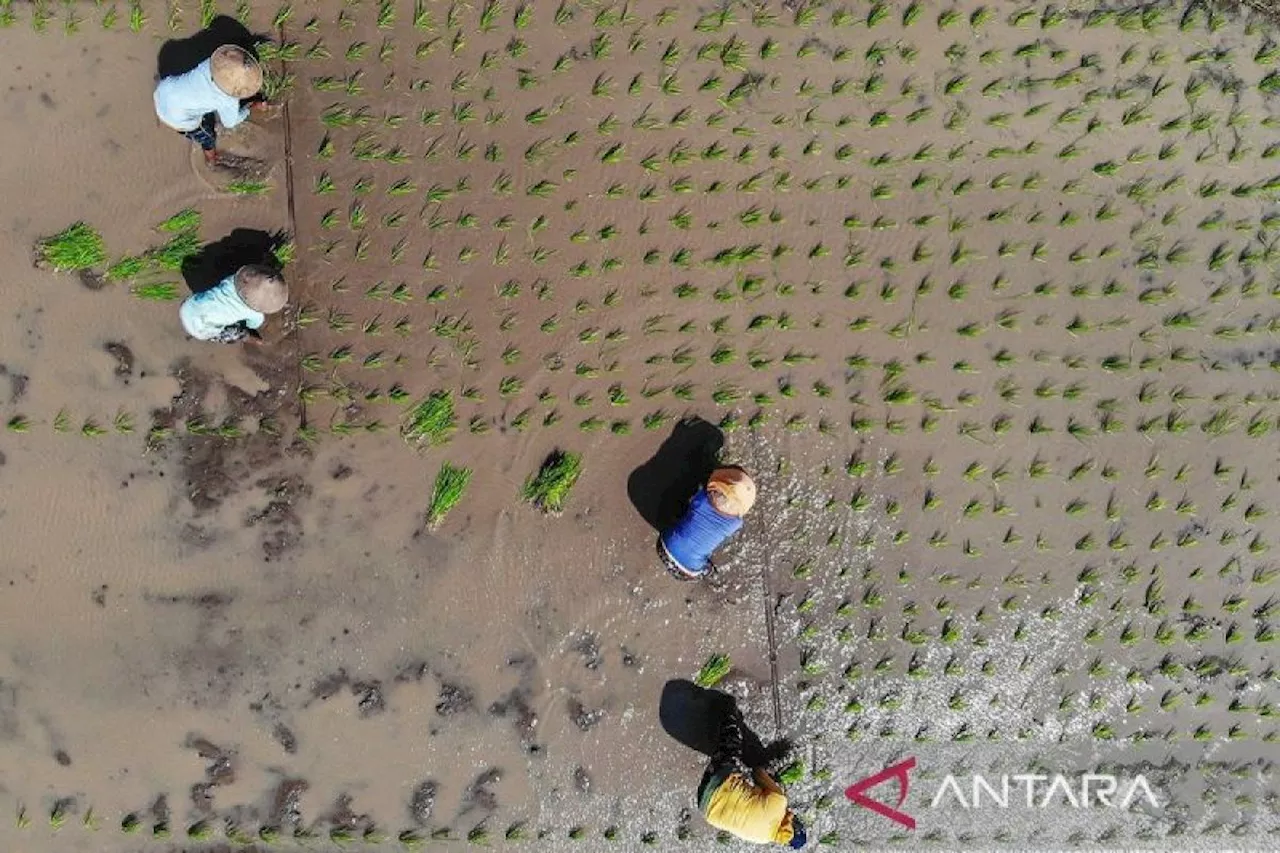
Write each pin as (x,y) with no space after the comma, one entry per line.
(745,802)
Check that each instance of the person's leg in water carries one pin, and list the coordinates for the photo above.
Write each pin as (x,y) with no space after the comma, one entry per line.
(728,756)
(206,136)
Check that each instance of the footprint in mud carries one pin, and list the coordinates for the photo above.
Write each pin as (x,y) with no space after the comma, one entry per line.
(123,356)
(286,808)
(17,383)
(584,718)
(479,794)
(343,817)
(221,771)
(371,701)
(519,701)
(231,171)
(454,700)
(423,802)
(588,646)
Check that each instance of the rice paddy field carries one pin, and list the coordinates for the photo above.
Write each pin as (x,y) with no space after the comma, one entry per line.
(983,295)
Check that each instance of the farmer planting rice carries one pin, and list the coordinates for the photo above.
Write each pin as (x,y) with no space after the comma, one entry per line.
(746,802)
(213,91)
(237,307)
(714,514)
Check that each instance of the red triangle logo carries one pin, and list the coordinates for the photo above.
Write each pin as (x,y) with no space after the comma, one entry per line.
(857,792)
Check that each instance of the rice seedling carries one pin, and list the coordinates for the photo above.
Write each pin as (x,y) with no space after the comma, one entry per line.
(432,421)
(550,486)
(77,247)
(247,187)
(450,484)
(713,671)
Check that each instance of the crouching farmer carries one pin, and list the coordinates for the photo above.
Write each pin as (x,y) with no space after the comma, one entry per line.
(236,307)
(744,802)
(189,103)
(714,514)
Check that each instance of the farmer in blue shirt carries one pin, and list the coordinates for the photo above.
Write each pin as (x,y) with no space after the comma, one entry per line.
(189,102)
(714,514)
(236,307)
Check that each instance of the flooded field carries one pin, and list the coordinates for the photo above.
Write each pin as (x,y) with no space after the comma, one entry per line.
(984,296)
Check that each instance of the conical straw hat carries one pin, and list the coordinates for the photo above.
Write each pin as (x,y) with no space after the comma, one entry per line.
(236,72)
(262,289)
(732,491)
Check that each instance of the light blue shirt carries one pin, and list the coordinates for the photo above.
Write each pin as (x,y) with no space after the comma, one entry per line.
(206,314)
(183,101)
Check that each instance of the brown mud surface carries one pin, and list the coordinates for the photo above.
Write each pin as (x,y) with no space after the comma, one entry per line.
(984,296)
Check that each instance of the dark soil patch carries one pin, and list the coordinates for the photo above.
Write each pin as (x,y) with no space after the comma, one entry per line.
(283,526)
(342,816)
(581,780)
(286,738)
(370,698)
(210,602)
(92,279)
(62,758)
(584,718)
(221,771)
(517,704)
(454,700)
(219,459)
(123,356)
(588,645)
(286,807)
(423,802)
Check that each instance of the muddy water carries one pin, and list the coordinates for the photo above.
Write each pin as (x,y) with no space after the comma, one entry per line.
(258,628)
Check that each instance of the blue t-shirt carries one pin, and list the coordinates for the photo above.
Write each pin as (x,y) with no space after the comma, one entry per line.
(698,533)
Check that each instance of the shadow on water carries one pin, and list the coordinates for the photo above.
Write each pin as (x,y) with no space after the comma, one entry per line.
(206,268)
(660,488)
(178,56)
(692,715)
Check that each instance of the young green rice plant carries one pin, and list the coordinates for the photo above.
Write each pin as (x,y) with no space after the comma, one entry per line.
(450,484)
(713,671)
(549,487)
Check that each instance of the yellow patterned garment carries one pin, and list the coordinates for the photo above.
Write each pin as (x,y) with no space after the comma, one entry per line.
(756,813)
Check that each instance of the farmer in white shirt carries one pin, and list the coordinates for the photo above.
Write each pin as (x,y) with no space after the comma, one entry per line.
(236,307)
(188,103)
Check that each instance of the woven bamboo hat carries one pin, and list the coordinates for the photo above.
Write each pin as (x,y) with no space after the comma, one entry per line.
(261,288)
(235,71)
(732,491)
